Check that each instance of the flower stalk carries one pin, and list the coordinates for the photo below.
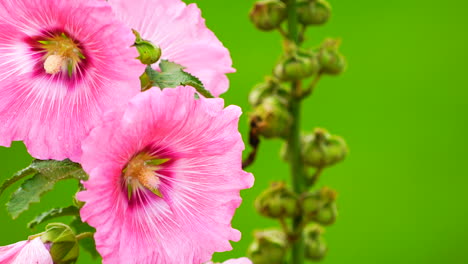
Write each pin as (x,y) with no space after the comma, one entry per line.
(303,150)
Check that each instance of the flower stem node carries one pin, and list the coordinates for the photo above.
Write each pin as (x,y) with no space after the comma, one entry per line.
(272,117)
(332,62)
(277,202)
(267,15)
(297,67)
(265,89)
(64,247)
(313,12)
(149,53)
(315,246)
(320,149)
(269,247)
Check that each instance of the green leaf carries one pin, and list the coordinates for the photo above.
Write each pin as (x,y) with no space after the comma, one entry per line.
(45,174)
(16,177)
(87,244)
(173,75)
(53,213)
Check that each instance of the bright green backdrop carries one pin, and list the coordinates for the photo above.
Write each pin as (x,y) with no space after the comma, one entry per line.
(402,106)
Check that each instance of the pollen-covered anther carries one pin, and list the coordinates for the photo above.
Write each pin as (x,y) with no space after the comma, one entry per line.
(54,64)
(141,172)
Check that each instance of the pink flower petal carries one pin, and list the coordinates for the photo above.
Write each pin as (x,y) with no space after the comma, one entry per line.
(200,184)
(53,113)
(181,33)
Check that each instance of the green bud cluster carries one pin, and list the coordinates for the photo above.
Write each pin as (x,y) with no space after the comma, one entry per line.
(276,115)
(332,62)
(272,117)
(320,206)
(320,149)
(313,12)
(271,87)
(277,202)
(268,247)
(64,247)
(315,246)
(267,15)
(296,67)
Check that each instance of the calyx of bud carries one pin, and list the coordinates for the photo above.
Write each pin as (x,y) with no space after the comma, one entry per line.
(313,12)
(267,15)
(272,117)
(269,247)
(320,149)
(331,61)
(297,67)
(270,87)
(315,246)
(320,206)
(149,52)
(277,202)
(64,247)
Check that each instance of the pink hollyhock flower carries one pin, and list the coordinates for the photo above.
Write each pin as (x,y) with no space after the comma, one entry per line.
(235,261)
(180,31)
(31,251)
(165,175)
(62,64)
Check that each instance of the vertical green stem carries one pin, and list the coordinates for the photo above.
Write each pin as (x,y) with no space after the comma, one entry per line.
(297,255)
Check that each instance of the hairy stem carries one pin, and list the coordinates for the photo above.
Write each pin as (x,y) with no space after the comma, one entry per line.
(297,170)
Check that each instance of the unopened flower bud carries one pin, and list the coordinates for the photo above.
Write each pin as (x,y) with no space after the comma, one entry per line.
(268,14)
(311,204)
(328,212)
(64,246)
(320,149)
(277,202)
(297,67)
(272,117)
(327,215)
(315,246)
(269,247)
(331,60)
(320,206)
(313,12)
(263,90)
(149,53)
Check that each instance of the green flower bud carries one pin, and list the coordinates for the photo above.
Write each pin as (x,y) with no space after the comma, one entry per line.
(297,67)
(327,215)
(311,204)
(149,53)
(268,14)
(320,206)
(272,117)
(277,202)
(268,88)
(315,246)
(314,12)
(331,60)
(269,247)
(64,247)
(320,149)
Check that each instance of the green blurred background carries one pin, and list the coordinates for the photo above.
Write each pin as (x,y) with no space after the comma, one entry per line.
(402,107)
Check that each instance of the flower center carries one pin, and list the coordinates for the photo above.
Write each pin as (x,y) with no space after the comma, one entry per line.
(61,54)
(140,173)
